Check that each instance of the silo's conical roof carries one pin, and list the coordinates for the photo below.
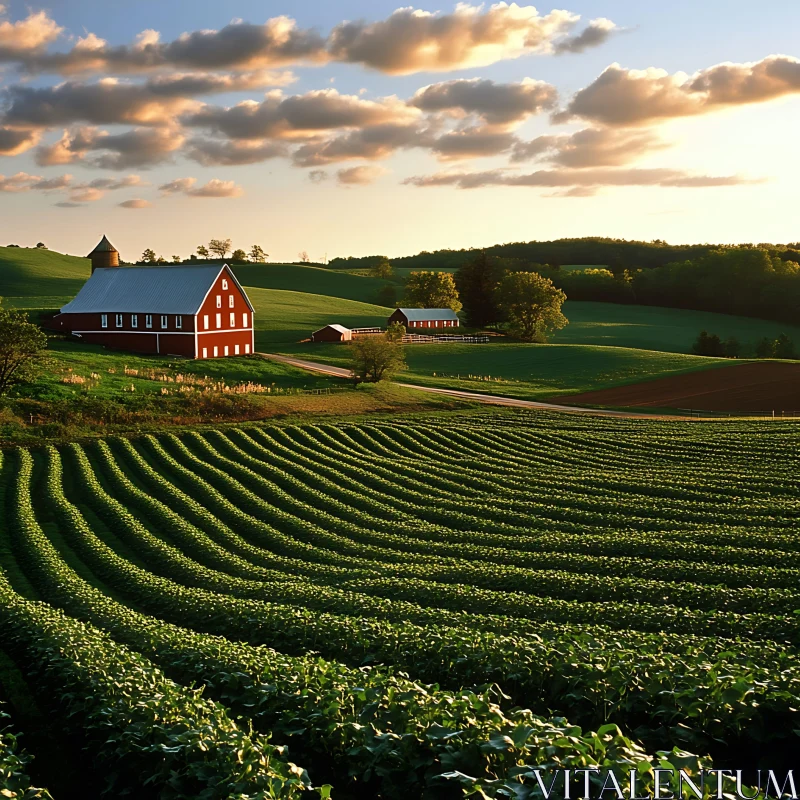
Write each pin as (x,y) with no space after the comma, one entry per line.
(104,247)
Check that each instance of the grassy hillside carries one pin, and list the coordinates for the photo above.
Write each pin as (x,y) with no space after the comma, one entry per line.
(316,280)
(666,329)
(31,278)
(528,371)
(283,317)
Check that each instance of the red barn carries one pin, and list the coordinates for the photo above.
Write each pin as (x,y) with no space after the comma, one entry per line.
(425,317)
(192,311)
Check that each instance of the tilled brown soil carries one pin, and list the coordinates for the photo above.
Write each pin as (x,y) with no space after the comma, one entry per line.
(755,387)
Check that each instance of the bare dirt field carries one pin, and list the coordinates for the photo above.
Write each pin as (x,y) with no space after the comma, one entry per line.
(759,387)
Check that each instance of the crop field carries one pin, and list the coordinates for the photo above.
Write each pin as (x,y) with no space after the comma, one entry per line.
(421,607)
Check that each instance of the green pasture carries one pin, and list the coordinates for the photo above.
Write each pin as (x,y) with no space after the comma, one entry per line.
(526,371)
(313,280)
(78,368)
(283,316)
(29,276)
(665,329)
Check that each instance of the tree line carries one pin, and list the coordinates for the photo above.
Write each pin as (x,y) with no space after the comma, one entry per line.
(614,254)
(216,248)
(750,280)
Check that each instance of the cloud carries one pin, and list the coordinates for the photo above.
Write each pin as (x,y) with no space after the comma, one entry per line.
(135,203)
(497,103)
(71,147)
(411,40)
(87,194)
(14,141)
(472,142)
(586,179)
(24,182)
(105,102)
(139,147)
(591,147)
(360,176)
(212,152)
(178,186)
(217,188)
(199,83)
(375,142)
(319,110)
(91,191)
(237,46)
(26,37)
(317,175)
(597,32)
(628,97)
(112,184)
(214,188)
(68,204)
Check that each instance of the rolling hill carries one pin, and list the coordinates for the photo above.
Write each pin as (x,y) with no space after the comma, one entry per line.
(29,275)
(283,317)
(315,280)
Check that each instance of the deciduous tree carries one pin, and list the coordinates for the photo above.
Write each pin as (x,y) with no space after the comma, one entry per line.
(382,269)
(22,347)
(477,281)
(202,251)
(238,255)
(303,256)
(149,256)
(432,290)
(220,247)
(375,358)
(532,306)
(257,254)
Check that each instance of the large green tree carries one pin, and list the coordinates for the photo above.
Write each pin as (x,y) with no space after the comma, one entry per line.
(376,357)
(532,306)
(431,290)
(382,268)
(477,281)
(22,347)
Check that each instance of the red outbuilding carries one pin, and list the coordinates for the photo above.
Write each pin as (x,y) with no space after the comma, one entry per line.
(193,311)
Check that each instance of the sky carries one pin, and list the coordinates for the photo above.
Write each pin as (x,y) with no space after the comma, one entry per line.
(359,128)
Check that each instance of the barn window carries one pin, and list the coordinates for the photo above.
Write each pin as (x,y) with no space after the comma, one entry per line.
(134,320)
(205,321)
(219,320)
(163,320)
(219,301)
(236,349)
(178,322)
(226,349)
(205,352)
(230,301)
(247,349)
(104,320)
(148,320)
(216,352)
(224,284)
(244,320)
(233,319)
(119,320)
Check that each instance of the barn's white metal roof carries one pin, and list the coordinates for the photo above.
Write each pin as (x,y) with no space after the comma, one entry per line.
(422,314)
(152,290)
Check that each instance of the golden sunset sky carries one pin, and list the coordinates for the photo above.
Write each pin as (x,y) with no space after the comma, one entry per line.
(355,128)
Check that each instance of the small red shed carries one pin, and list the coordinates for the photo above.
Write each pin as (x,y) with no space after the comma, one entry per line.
(193,311)
(425,317)
(332,333)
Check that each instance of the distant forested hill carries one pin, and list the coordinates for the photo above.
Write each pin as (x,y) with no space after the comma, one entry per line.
(589,251)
